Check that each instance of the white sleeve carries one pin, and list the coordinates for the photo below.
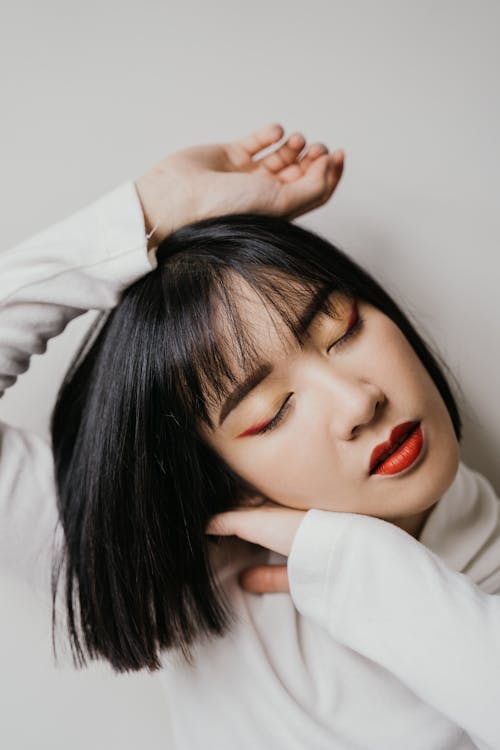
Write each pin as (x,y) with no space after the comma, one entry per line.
(379,591)
(79,264)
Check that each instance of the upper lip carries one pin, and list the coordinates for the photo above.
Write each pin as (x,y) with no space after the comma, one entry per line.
(398,434)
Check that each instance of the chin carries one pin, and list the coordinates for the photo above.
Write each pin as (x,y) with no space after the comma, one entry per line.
(440,475)
(449,464)
(428,484)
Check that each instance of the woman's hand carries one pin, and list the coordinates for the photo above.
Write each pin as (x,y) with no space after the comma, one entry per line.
(269,525)
(230,178)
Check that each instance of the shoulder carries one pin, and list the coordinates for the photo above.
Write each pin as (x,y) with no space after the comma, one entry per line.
(464,528)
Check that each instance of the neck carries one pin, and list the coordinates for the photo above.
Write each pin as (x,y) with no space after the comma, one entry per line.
(414,525)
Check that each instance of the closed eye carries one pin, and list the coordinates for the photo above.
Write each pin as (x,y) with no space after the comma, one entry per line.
(352,332)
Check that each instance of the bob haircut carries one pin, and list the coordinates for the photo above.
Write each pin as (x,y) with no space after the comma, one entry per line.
(136,484)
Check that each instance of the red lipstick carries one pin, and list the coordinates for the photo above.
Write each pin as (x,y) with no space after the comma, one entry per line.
(400,451)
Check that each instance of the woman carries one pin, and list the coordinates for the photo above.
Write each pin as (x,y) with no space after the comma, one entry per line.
(154,432)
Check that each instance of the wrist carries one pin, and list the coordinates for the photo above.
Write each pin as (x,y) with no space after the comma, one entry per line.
(150,223)
(169,194)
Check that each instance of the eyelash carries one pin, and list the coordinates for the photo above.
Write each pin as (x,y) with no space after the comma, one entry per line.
(353,330)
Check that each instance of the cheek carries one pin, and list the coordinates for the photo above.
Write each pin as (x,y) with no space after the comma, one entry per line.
(290,471)
(412,389)
(394,366)
(395,348)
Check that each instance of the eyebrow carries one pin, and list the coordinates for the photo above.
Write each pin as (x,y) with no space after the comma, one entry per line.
(241,391)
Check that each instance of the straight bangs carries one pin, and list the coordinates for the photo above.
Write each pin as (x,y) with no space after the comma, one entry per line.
(136,482)
(214,343)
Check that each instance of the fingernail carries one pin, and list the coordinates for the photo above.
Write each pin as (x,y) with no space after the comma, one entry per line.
(276,129)
(298,138)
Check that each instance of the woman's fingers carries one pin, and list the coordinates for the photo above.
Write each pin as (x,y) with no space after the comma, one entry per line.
(285,155)
(244,148)
(264,579)
(245,523)
(268,525)
(225,178)
(300,167)
(338,158)
(314,187)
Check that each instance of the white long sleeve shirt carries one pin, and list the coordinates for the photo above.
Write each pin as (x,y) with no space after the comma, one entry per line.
(383,643)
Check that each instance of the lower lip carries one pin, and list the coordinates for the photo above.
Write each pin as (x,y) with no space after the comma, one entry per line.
(405,456)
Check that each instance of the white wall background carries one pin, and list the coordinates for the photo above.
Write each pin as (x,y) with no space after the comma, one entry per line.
(93,93)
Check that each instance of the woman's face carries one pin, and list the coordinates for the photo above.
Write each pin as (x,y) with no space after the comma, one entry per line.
(304,434)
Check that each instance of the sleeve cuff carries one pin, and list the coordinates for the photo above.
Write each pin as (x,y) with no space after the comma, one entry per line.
(311,557)
(121,221)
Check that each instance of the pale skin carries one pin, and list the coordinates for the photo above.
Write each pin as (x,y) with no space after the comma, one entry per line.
(346,399)
(229,178)
(233,177)
(344,403)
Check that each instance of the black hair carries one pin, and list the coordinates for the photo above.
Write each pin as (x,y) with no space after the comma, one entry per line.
(136,483)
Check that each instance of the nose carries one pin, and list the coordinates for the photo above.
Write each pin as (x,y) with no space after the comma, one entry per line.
(356,403)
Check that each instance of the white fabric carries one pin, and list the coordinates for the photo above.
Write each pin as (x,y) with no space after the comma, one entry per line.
(384,642)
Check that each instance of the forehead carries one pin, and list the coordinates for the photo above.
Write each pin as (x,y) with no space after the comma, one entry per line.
(263,325)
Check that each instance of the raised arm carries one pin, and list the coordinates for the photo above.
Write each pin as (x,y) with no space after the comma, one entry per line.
(87,260)
(79,264)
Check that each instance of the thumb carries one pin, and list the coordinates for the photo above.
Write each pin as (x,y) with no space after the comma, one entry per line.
(264,578)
